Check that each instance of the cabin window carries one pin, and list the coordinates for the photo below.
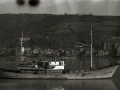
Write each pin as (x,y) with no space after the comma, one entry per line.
(40,64)
(47,63)
(59,63)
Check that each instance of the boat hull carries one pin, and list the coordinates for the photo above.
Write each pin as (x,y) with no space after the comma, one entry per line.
(97,74)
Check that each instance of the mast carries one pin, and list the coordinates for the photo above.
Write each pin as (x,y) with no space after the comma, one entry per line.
(22,41)
(22,48)
(91,46)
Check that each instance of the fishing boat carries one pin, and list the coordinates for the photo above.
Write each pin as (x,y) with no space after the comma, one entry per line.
(55,70)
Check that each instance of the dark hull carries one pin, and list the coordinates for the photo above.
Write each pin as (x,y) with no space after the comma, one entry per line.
(98,74)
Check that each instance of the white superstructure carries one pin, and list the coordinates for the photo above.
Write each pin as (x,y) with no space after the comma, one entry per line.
(58,65)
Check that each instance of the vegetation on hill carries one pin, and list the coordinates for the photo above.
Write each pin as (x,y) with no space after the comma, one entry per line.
(56,31)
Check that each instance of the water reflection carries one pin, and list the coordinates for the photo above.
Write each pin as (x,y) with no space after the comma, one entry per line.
(10,84)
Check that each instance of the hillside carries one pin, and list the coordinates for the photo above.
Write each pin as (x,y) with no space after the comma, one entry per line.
(56,31)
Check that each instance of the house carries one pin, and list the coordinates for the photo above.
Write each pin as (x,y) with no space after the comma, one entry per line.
(24,39)
(36,50)
(100,53)
(18,50)
(116,52)
(107,46)
(110,44)
(69,52)
(103,53)
(8,51)
(27,51)
(48,52)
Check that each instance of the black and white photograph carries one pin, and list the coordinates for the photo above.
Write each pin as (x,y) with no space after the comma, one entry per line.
(59,45)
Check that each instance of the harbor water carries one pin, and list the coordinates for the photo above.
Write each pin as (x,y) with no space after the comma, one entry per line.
(72,63)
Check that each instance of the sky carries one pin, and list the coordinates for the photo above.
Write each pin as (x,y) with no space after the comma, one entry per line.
(96,7)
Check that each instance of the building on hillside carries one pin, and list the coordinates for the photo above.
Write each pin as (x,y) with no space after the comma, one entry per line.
(103,53)
(116,52)
(110,45)
(49,52)
(18,50)
(27,51)
(107,46)
(24,39)
(68,52)
(114,37)
(36,50)
(8,51)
